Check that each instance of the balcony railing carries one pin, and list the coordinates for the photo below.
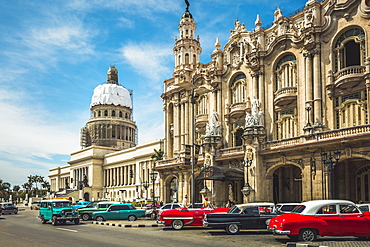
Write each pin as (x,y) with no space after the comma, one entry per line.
(321,136)
(350,71)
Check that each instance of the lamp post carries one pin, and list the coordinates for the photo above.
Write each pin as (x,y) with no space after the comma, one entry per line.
(308,108)
(145,184)
(330,161)
(247,164)
(153,177)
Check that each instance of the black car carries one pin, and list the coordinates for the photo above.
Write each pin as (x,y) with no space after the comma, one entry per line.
(8,208)
(244,216)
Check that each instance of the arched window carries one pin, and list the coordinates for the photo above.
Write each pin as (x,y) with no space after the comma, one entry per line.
(349,49)
(174,190)
(113,113)
(194,59)
(187,58)
(99,113)
(238,137)
(179,60)
(105,113)
(286,124)
(238,89)
(120,114)
(286,72)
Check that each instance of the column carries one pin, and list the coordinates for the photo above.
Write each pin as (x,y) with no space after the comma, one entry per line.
(308,69)
(317,88)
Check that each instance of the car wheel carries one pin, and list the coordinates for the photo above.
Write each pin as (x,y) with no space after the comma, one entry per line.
(54,221)
(43,221)
(177,224)
(77,221)
(15,211)
(85,217)
(307,235)
(232,229)
(132,218)
(100,218)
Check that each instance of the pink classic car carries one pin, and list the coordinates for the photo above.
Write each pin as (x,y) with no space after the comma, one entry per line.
(322,218)
(180,217)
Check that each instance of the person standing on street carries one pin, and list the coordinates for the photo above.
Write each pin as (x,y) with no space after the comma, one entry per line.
(185,202)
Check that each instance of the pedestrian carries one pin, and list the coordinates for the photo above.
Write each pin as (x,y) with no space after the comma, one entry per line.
(185,202)
(161,203)
(206,202)
(228,204)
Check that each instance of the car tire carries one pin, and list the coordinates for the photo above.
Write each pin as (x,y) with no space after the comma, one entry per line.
(85,217)
(307,235)
(132,218)
(43,221)
(76,221)
(177,224)
(54,221)
(100,218)
(232,229)
(15,211)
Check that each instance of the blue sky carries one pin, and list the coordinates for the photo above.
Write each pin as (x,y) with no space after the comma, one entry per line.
(54,53)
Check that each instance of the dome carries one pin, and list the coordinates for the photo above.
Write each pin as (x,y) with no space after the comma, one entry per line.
(111,94)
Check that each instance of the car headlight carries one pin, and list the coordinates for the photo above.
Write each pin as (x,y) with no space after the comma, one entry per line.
(268,222)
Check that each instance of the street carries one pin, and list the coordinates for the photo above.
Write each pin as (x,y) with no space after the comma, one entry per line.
(25,229)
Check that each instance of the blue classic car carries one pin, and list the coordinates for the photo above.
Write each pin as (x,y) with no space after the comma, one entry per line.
(119,212)
(81,204)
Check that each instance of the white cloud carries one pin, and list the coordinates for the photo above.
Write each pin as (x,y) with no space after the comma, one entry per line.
(150,61)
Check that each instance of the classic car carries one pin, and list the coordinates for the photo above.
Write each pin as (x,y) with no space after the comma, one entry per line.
(81,204)
(243,216)
(57,211)
(8,208)
(86,212)
(35,205)
(153,212)
(322,218)
(119,212)
(179,217)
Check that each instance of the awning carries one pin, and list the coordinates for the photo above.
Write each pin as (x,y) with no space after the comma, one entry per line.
(217,173)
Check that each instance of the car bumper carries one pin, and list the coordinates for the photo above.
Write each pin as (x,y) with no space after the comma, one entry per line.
(160,222)
(279,232)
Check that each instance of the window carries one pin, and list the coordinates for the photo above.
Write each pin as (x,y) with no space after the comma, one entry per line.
(105,113)
(349,49)
(286,124)
(238,91)
(120,114)
(113,113)
(327,209)
(286,72)
(202,105)
(348,209)
(351,110)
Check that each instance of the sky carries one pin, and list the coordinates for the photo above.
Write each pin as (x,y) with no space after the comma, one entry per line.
(54,53)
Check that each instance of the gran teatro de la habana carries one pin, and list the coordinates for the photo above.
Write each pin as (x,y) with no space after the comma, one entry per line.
(278,114)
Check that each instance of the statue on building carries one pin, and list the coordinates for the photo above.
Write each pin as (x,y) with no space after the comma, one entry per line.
(85,181)
(256,118)
(213,128)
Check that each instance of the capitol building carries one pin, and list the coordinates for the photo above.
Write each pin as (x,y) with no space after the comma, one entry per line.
(278,114)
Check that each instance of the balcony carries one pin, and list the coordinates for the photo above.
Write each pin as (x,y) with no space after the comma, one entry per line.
(349,77)
(238,109)
(201,120)
(285,96)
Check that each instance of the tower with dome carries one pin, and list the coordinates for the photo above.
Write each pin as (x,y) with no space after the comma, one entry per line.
(111,123)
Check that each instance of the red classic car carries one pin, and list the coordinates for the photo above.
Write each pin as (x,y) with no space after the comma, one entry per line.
(179,217)
(324,218)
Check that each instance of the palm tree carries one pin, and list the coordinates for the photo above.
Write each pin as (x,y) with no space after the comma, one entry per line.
(27,186)
(46,185)
(38,179)
(158,155)
(4,188)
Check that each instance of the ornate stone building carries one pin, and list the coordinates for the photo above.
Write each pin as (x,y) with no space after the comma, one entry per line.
(279,114)
(110,164)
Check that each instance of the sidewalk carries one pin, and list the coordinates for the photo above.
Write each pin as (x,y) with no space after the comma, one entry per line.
(140,222)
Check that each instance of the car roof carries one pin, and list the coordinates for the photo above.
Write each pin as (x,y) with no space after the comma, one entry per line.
(105,202)
(261,204)
(313,206)
(56,200)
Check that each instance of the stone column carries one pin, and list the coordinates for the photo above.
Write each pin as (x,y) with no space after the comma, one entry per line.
(317,87)
(308,79)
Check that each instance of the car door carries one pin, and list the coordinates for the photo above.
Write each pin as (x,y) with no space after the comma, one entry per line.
(330,216)
(124,212)
(249,218)
(353,221)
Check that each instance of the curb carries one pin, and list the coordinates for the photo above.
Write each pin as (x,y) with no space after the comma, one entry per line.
(289,244)
(124,225)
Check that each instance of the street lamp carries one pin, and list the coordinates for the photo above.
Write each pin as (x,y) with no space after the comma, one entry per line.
(153,177)
(247,164)
(330,161)
(145,184)
(308,108)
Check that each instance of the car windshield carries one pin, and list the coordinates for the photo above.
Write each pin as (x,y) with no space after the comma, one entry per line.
(234,210)
(298,209)
(60,204)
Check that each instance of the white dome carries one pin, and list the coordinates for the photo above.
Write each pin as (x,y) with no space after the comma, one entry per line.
(111,94)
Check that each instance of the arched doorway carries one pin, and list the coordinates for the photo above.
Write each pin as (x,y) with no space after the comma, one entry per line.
(174,188)
(287,184)
(363,184)
(86,196)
